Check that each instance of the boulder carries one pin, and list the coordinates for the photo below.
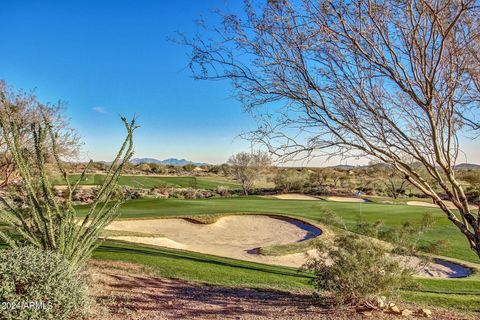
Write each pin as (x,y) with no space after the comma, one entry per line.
(406,312)
(425,312)
(394,308)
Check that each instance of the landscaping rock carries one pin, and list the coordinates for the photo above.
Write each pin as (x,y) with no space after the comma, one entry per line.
(406,312)
(394,309)
(425,312)
(381,302)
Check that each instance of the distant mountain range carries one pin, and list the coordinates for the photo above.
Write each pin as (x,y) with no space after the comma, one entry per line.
(170,161)
(343,167)
(467,166)
(461,166)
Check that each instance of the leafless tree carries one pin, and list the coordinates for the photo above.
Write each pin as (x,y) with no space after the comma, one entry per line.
(27,112)
(247,168)
(393,80)
(393,181)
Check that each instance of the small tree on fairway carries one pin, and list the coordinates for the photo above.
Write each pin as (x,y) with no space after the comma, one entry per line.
(48,222)
(247,167)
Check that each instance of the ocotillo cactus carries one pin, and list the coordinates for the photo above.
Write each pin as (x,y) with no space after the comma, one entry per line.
(48,222)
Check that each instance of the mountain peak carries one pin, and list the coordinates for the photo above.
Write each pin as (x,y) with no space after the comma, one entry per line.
(169,161)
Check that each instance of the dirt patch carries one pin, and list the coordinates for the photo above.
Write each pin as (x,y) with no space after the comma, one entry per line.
(295,196)
(123,292)
(345,199)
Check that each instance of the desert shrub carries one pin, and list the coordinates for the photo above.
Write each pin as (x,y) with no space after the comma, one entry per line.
(473,194)
(369,229)
(407,237)
(38,284)
(290,180)
(132,193)
(222,191)
(352,270)
(84,195)
(329,217)
(190,193)
(434,247)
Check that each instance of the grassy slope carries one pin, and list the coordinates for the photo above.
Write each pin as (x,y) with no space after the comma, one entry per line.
(205,268)
(456,293)
(157,181)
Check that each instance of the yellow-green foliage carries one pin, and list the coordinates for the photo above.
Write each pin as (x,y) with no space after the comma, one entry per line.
(38,284)
(354,270)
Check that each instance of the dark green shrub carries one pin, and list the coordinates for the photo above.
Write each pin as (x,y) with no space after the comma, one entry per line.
(38,284)
(353,270)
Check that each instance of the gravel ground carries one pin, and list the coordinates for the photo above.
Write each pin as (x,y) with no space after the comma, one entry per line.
(124,291)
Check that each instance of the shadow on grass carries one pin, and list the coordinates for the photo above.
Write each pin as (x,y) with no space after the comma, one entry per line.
(203,258)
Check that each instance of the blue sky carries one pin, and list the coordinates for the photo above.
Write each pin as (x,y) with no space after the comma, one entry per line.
(106,58)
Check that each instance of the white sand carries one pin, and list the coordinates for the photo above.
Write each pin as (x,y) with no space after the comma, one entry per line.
(345,199)
(295,196)
(231,236)
(438,268)
(236,235)
(449,204)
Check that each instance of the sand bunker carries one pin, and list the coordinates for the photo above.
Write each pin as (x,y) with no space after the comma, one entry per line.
(237,236)
(294,196)
(438,268)
(231,236)
(449,204)
(345,199)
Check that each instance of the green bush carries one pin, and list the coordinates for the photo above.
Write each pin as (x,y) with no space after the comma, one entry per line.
(328,217)
(353,270)
(290,180)
(38,284)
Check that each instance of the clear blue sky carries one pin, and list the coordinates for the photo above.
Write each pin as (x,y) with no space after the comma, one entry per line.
(106,58)
(109,57)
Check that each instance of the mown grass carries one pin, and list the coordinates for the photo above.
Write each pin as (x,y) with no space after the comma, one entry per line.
(458,294)
(178,264)
(148,182)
